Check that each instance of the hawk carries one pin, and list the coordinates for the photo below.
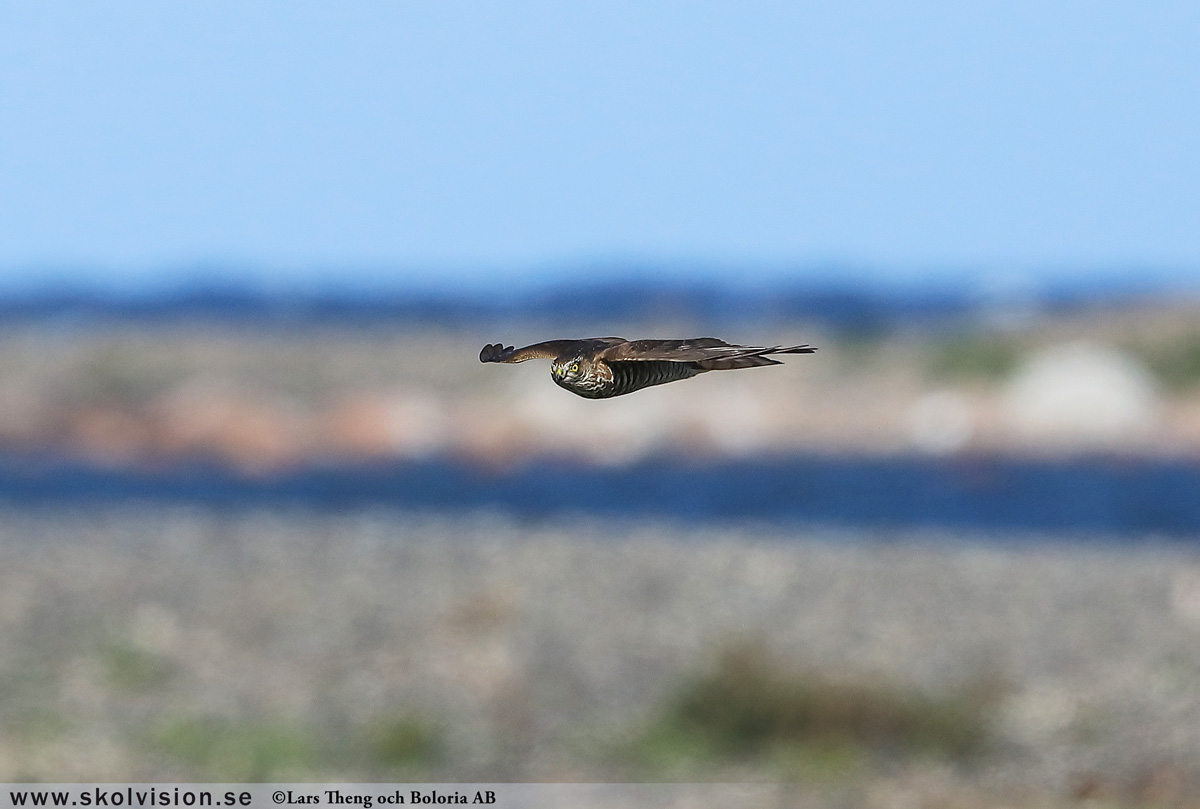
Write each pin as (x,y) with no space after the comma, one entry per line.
(603,367)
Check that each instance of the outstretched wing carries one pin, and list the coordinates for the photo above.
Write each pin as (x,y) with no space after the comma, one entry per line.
(498,352)
(708,352)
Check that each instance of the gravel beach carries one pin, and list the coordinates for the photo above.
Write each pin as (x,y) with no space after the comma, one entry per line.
(155,643)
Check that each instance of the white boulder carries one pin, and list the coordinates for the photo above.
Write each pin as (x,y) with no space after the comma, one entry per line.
(1082,393)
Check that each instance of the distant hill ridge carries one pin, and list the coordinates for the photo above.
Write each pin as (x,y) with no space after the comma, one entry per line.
(845,306)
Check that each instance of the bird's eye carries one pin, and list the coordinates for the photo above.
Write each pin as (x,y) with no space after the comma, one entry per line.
(574,367)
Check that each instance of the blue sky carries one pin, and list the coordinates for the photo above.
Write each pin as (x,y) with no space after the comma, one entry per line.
(304,142)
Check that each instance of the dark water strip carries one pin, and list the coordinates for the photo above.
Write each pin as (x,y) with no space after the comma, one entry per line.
(1096,494)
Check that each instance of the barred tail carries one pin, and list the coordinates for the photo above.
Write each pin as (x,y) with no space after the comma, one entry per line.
(753,359)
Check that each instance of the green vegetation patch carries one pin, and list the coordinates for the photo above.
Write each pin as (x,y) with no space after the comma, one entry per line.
(118,372)
(753,708)
(264,750)
(34,724)
(247,751)
(973,356)
(1176,363)
(134,670)
(403,742)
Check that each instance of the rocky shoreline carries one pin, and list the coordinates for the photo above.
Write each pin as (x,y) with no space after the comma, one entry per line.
(174,643)
(264,401)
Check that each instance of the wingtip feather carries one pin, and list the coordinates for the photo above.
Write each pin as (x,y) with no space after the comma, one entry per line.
(492,352)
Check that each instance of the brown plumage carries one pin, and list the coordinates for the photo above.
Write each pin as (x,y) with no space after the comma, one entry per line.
(603,367)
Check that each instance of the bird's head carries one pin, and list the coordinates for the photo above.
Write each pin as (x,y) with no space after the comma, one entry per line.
(567,369)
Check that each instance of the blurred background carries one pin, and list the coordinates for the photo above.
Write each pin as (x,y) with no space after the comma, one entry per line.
(264,515)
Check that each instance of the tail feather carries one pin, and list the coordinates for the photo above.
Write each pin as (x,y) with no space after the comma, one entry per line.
(754,358)
(737,362)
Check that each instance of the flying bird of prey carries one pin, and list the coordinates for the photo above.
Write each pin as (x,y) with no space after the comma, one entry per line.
(603,367)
